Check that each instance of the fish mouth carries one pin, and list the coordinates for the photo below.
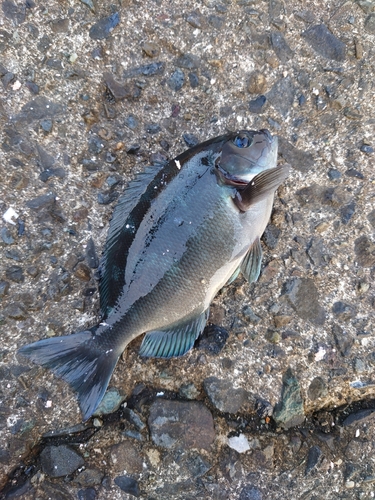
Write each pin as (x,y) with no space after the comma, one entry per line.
(229,179)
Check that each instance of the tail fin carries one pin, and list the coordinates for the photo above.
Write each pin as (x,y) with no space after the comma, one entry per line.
(79,360)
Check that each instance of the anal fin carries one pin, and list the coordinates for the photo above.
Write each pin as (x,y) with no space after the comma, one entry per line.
(250,266)
(174,340)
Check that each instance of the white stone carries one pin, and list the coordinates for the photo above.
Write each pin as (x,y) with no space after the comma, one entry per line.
(239,443)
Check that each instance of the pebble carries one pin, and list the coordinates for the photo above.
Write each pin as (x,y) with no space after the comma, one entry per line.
(188,61)
(317,389)
(41,201)
(256,105)
(223,396)
(289,412)
(4,288)
(250,493)
(191,140)
(281,48)
(325,43)
(196,19)
(152,128)
(370,23)
(257,83)
(312,458)
(16,311)
(88,493)
(239,443)
(364,250)
(180,424)
(103,28)
(365,148)
(155,68)
(343,340)
(58,461)
(15,273)
(150,49)
(129,485)
(120,91)
(91,256)
(344,311)
(110,403)
(187,391)
(6,236)
(176,80)
(82,272)
(371,218)
(303,295)
(271,236)
(89,4)
(89,477)
(131,122)
(281,96)
(193,80)
(212,340)
(125,456)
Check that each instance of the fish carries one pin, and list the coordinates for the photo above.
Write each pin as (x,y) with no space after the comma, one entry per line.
(179,233)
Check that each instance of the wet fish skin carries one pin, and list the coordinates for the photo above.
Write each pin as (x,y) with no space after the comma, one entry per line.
(178,234)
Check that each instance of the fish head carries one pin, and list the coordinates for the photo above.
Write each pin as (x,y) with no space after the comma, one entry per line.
(247,153)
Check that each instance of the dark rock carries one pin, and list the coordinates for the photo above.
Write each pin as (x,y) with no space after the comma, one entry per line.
(152,128)
(128,484)
(58,461)
(352,172)
(89,477)
(176,80)
(371,218)
(250,493)
(212,340)
(303,297)
(155,68)
(271,236)
(126,457)
(16,311)
(190,140)
(365,148)
(42,201)
(131,122)
(317,389)
(312,458)
(46,125)
(188,61)
(249,315)
(193,80)
(103,28)
(281,96)
(364,250)
(316,252)
(46,160)
(6,236)
(60,25)
(44,43)
(7,79)
(4,39)
(91,256)
(14,255)
(216,21)
(15,273)
(133,149)
(344,311)
(325,43)
(193,463)
(88,493)
(359,416)
(38,109)
(222,394)
(343,340)
(54,64)
(281,48)
(52,172)
(4,288)
(196,19)
(180,424)
(17,13)
(370,23)
(347,212)
(120,91)
(289,412)
(256,105)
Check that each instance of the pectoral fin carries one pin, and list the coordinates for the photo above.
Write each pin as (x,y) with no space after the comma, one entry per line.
(175,340)
(260,187)
(250,266)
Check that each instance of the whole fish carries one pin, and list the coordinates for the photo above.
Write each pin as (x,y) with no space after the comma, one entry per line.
(177,236)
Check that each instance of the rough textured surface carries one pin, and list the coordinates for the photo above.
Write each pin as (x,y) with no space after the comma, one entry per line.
(90,94)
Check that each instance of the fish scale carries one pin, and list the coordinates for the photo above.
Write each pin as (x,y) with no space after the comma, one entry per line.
(179,233)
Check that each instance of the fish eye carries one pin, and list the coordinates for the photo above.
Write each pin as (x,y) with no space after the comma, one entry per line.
(242,141)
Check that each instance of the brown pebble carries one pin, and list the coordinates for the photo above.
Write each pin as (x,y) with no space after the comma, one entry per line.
(282,320)
(257,83)
(82,272)
(150,49)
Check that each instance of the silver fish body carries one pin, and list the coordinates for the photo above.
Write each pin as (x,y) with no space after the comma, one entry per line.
(178,234)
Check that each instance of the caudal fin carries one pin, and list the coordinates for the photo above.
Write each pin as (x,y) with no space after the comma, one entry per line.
(79,360)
